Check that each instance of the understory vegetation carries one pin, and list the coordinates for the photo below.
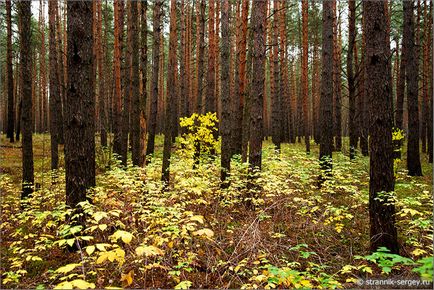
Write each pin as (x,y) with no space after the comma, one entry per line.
(285,232)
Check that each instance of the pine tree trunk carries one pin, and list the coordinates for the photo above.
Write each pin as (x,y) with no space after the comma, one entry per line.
(9,74)
(24,12)
(305,80)
(135,101)
(226,96)
(157,13)
(54,86)
(144,68)
(102,91)
(326,102)
(210,101)
(259,11)
(171,121)
(412,69)
(378,88)
(200,34)
(80,104)
(118,36)
(350,76)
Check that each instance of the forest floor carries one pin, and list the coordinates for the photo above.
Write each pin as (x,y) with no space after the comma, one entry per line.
(196,234)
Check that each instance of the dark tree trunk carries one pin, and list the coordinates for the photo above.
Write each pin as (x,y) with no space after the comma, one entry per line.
(157,13)
(171,121)
(304,68)
(9,74)
(144,68)
(135,102)
(350,75)
(412,69)
(24,10)
(363,100)
(80,104)
(379,91)
(326,102)
(226,96)
(210,101)
(337,126)
(102,90)
(200,55)
(259,12)
(276,122)
(55,104)
(400,90)
(247,99)
(430,93)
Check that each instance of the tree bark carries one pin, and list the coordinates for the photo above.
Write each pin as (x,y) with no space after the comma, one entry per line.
(412,69)
(55,103)
(24,10)
(378,88)
(171,120)
(210,102)
(157,13)
(304,68)
(9,74)
(135,102)
(80,104)
(259,11)
(326,102)
(350,76)
(226,96)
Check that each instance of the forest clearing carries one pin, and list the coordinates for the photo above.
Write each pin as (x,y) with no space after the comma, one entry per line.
(216,144)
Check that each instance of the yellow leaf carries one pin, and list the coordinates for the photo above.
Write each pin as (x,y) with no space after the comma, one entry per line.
(67,268)
(90,250)
(102,227)
(127,278)
(99,215)
(184,285)
(148,251)
(70,242)
(197,218)
(204,232)
(81,284)
(125,236)
(64,285)
(418,252)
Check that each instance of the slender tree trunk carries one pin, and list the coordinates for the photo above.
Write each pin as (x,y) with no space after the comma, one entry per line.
(118,35)
(363,101)
(226,96)
(326,103)
(135,102)
(54,87)
(144,68)
(25,14)
(304,68)
(9,74)
(200,34)
(430,77)
(210,103)
(80,104)
(350,76)
(157,13)
(171,121)
(102,91)
(276,128)
(259,11)
(400,90)
(378,87)
(412,69)
(247,99)
(59,70)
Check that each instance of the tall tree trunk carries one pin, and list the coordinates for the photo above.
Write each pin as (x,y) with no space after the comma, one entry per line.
(25,14)
(210,102)
(304,79)
(425,56)
(400,90)
(350,76)
(80,104)
(226,96)
(326,102)
(157,13)
(337,83)
(102,91)
(55,103)
(135,102)
(276,128)
(118,36)
(430,77)
(259,11)
(171,121)
(144,68)
(9,74)
(200,34)
(43,74)
(412,69)
(363,99)
(378,87)
(59,70)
